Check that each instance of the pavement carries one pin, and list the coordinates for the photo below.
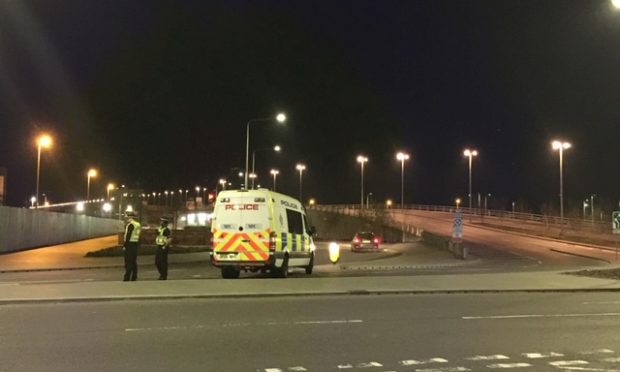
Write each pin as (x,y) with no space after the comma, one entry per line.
(71,257)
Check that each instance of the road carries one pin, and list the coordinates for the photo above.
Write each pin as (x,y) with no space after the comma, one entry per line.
(424,333)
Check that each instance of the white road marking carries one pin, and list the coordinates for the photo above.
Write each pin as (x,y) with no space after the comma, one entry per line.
(8,284)
(509,365)
(273,370)
(369,365)
(488,357)
(588,369)
(564,363)
(299,368)
(523,316)
(444,369)
(599,351)
(345,366)
(413,362)
(611,360)
(600,302)
(542,355)
(246,324)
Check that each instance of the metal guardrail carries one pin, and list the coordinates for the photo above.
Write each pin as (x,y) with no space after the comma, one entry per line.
(498,216)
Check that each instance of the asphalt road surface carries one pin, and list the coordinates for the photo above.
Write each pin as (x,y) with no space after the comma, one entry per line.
(422,333)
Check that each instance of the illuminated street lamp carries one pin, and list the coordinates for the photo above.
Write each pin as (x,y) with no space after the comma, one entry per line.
(312,202)
(280,118)
(401,156)
(44,141)
(457,201)
(274,173)
(275,148)
(110,187)
(616,3)
(470,154)
(91,173)
(362,159)
(301,168)
(561,146)
(223,183)
(32,201)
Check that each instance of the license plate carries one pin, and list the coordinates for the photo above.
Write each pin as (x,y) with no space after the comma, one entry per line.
(227,256)
(365,241)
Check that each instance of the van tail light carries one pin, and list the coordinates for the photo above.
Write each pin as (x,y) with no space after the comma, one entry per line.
(272,241)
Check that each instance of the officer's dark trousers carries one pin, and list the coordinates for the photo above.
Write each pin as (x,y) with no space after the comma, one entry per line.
(161,261)
(131,261)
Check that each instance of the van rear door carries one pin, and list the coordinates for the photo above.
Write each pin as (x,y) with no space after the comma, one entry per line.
(242,229)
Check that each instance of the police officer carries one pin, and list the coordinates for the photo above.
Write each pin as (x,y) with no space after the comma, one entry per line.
(130,246)
(163,246)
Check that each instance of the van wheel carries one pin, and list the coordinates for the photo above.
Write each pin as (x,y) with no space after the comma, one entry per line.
(229,272)
(282,271)
(310,265)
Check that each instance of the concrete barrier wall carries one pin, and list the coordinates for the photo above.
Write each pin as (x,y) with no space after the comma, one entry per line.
(22,228)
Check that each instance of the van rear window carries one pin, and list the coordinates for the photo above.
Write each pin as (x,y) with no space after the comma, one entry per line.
(295,222)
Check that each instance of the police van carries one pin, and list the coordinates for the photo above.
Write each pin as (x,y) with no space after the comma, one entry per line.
(262,230)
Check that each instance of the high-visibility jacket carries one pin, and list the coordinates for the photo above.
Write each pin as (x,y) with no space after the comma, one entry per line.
(135,233)
(161,239)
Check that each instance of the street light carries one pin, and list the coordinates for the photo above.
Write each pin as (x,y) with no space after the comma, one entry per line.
(223,183)
(300,168)
(280,118)
(401,156)
(616,3)
(274,173)
(561,146)
(275,148)
(388,203)
(44,141)
(470,154)
(362,159)
(91,173)
(110,187)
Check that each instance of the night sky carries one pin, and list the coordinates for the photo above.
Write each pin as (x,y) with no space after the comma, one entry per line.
(157,94)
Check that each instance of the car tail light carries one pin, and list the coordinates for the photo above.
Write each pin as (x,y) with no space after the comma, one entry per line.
(272,241)
(356,240)
(376,240)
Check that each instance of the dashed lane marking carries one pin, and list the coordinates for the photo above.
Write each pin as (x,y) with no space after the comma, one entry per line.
(444,369)
(488,357)
(566,363)
(598,351)
(509,365)
(611,360)
(542,355)
(569,368)
(524,316)
(413,362)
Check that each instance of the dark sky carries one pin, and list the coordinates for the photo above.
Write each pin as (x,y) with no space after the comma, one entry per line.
(156,95)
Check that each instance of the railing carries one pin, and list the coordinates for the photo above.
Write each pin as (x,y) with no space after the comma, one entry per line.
(479,214)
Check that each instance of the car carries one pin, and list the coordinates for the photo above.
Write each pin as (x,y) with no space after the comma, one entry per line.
(366,240)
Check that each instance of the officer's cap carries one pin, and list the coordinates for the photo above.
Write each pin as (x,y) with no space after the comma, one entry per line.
(164,219)
(130,214)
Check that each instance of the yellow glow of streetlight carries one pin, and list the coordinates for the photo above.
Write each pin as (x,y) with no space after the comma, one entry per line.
(111,186)
(300,167)
(561,144)
(277,148)
(222,181)
(44,141)
(470,153)
(92,173)
(362,159)
(274,172)
(616,3)
(281,117)
(457,201)
(312,201)
(388,203)
(402,156)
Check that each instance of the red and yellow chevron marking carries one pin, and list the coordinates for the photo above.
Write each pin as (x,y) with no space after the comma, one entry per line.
(251,246)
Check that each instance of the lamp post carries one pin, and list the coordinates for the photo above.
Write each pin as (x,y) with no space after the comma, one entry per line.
(275,148)
(561,146)
(470,154)
(91,173)
(280,118)
(300,168)
(110,187)
(44,141)
(592,207)
(401,156)
(274,173)
(362,159)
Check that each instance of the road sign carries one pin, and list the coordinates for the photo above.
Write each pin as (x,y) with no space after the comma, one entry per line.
(615,222)
(457,226)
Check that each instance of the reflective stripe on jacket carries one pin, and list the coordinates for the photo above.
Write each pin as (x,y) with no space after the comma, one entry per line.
(161,239)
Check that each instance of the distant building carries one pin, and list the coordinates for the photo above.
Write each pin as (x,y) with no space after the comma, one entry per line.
(2,185)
